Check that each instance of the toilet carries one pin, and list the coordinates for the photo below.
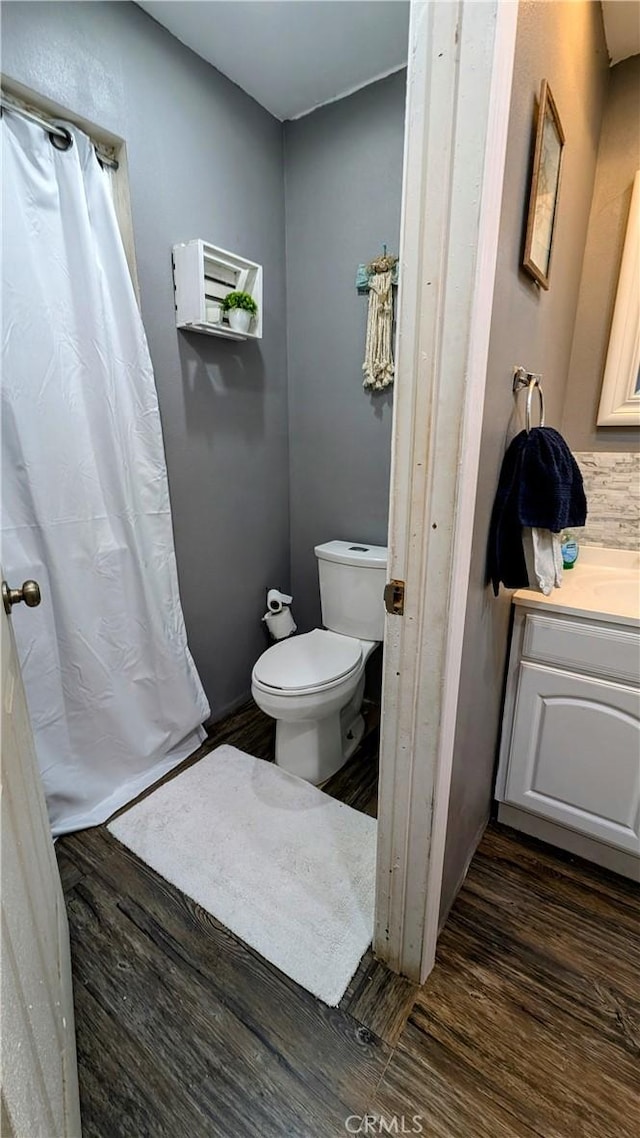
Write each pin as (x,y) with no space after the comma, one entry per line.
(313,684)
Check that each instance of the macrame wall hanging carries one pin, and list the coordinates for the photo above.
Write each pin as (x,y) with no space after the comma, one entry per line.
(378,279)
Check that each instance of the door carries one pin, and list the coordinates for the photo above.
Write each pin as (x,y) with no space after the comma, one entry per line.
(574,754)
(38,1072)
(458,95)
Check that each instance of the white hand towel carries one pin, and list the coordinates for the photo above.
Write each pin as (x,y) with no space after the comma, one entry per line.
(543,556)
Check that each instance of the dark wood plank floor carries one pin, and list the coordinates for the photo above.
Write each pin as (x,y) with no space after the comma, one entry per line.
(530,1022)
(529,1026)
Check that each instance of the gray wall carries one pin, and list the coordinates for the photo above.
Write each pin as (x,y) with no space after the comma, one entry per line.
(618,160)
(564,43)
(204,161)
(343,193)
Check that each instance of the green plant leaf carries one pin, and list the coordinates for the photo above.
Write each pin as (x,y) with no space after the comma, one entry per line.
(242,300)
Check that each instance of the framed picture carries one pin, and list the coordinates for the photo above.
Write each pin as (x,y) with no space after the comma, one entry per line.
(620,397)
(545,188)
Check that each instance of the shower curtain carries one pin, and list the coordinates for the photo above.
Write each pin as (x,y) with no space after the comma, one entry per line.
(113,693)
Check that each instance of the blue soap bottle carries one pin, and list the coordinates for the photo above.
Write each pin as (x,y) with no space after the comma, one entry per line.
(570,549)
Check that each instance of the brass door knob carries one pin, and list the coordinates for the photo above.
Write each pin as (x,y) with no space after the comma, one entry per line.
(29,593)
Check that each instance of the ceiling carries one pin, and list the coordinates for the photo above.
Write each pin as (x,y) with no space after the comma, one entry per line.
(295,55)
(292,56)
(621,28)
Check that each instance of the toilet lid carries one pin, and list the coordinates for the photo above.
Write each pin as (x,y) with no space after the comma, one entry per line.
(308,661)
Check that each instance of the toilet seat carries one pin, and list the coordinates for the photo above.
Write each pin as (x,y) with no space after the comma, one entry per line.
(312,662)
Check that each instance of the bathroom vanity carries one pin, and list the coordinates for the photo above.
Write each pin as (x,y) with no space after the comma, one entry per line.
(569,768)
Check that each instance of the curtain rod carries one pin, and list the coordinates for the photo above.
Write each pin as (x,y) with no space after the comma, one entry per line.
(58,131)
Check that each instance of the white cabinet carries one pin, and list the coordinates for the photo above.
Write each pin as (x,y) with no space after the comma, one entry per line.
(204,273)
(575,753)
(570,751)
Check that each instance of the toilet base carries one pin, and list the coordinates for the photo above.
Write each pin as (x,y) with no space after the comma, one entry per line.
(314,749)
(352,738)
(310,748)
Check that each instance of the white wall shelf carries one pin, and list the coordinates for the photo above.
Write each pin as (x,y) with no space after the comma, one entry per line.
(203,272)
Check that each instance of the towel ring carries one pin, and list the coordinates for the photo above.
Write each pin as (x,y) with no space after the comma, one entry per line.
(534,385)
(523,378)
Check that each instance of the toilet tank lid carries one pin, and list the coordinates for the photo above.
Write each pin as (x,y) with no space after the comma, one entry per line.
(353,553)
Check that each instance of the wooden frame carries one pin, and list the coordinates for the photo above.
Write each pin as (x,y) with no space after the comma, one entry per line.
(620,397)
(545,189)
(458,96)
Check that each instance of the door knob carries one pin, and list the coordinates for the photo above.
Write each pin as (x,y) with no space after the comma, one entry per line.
(29,593)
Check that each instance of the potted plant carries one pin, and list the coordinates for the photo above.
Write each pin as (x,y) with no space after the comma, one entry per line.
(240,308)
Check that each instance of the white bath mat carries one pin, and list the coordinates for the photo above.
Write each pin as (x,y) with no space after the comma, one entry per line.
(284,866)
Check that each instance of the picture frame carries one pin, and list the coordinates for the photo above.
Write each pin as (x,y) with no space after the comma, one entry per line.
(620,394)
(545,188)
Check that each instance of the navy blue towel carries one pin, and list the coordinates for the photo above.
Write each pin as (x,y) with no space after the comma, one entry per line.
(540,486)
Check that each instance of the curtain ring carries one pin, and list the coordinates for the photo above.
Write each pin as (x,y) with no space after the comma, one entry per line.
(533,385)
(64,143)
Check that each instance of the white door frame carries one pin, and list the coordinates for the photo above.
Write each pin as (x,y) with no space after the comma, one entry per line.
(458,95)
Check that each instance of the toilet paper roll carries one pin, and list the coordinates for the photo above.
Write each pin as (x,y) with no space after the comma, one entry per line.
(280,624)
(276,600)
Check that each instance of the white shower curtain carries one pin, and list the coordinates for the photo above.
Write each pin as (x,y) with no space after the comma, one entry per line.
(114,696)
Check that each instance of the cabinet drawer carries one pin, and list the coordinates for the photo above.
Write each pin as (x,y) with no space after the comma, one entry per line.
(584,647)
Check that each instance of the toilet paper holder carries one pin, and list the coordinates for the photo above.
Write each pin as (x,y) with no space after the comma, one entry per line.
(278,617)
(277,601)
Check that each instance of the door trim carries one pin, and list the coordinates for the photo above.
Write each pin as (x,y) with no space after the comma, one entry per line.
(458,97)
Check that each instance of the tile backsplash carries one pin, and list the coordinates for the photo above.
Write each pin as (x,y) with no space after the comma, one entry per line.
(612,486)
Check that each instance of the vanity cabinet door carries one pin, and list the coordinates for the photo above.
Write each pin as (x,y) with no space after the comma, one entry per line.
(575,754)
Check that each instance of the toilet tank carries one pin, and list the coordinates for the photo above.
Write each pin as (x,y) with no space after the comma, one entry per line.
(352,579)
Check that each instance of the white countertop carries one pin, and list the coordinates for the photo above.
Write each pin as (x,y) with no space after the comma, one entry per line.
(604,584)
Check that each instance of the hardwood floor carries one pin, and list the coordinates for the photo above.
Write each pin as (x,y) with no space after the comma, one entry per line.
(530,1022)
(529,1026)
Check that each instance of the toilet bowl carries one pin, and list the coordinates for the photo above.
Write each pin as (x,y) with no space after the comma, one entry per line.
(313,684)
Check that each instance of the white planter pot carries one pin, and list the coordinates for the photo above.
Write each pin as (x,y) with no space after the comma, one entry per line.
(239,319)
